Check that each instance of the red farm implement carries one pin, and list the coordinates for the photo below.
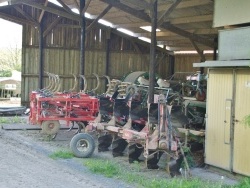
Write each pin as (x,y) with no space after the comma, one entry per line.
(122,119)
(48,108)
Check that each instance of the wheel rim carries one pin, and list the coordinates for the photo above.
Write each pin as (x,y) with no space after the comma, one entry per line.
(82,145)
(51,126)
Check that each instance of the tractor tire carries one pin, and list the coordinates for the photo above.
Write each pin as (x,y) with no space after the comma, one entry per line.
(82,145)
(50,127)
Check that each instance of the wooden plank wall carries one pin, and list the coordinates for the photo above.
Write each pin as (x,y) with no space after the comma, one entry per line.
(184,64)
(62,56)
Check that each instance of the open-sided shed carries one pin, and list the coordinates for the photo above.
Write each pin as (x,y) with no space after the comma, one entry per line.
(52,39)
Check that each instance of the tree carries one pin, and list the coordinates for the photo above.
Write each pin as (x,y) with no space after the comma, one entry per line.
(10,58)
(5,73)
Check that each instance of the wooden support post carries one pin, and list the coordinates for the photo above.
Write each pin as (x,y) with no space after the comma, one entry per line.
(152,51)
(215,49)
(41,59)
(107,56)
(171,65)
(82,45)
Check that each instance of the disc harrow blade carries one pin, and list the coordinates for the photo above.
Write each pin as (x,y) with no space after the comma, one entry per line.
(118,146)
(175,166)
(104,142)
(152,162)
(134,152)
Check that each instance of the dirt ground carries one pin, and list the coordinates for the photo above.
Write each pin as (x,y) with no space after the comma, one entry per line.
(25,162)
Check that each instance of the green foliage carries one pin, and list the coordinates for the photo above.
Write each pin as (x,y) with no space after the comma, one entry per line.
(106,168)
(12,119)
(189,157)
(246,120)
(17,119)
(61,155)
(5,73)
(10,58)
(4,120)
(245,183)
(114,170)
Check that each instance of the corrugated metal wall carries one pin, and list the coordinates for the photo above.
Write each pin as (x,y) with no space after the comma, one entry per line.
(217,144)
(227,137)
(241,162)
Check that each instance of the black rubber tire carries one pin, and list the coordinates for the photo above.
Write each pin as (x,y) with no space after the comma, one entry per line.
(50,127)
(82,145)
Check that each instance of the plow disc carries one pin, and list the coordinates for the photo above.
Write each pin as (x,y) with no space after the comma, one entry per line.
(118,146)
(104,142)
(134,152)
(151,163)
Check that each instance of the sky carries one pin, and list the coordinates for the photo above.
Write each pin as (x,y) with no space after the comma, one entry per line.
(10,34)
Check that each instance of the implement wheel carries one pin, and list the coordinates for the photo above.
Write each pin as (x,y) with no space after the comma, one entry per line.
(50,127)
(82,145)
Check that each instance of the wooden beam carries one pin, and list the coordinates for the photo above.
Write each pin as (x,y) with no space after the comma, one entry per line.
(130,38)
(17,19)
(48,9)
(168,26)
(136,47)
(64,6)
(139,3)
(138,41)
(168,12)
(43,11)
(51,26)
(158,61)
(213,31)
(191,19)
(77,5)
(99,17)
(26,15)
(69,26)
(203,58)
(132,24)
(193,3)
(86,7)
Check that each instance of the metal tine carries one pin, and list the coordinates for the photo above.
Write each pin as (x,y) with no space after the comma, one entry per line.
(48,86)
(109,83)
(98,82)
(58,84)
(75,84)
(53,81)
(85,84)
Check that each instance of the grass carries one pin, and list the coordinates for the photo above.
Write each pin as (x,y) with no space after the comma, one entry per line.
(4,120)
(132,174)
(115,170)
(245,183)
(61,155)
(11,119)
